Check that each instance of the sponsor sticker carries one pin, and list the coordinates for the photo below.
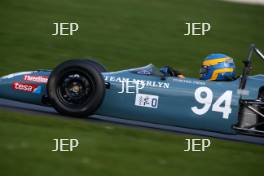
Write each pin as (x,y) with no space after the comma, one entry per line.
(31,88)
(15,74)
(147,83)
(146,100)
(37,79)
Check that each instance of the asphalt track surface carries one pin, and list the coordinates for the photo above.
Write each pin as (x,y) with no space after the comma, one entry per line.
(35,109)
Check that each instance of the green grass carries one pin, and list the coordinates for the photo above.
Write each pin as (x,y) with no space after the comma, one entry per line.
(26,144)
(121,34)
(125,33)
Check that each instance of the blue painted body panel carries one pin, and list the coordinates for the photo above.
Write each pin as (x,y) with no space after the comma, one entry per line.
(176,98)
(7,91)
(174,106)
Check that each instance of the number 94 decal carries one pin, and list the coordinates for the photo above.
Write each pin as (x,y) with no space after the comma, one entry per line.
(204,95)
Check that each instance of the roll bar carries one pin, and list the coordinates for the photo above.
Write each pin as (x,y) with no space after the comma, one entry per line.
(248,65)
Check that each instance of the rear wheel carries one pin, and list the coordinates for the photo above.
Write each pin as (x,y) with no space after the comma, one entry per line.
(251,116)
(76,87)
(261,109)
(261,95)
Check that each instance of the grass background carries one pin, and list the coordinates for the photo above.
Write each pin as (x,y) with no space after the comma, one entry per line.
(125,33)
(121,34)
(26,144)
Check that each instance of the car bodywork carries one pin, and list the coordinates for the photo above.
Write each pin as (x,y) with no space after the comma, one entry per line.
(144,94)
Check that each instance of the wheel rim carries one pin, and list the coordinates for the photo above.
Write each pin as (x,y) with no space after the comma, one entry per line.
(75,89)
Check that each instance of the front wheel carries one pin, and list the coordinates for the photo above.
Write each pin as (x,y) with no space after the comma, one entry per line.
(76,88)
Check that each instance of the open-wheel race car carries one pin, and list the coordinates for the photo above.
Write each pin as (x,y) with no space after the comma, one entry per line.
(83,87)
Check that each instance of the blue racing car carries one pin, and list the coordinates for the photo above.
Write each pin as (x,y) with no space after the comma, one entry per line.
(83,87)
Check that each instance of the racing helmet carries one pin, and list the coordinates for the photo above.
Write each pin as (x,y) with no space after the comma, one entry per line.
(218,67)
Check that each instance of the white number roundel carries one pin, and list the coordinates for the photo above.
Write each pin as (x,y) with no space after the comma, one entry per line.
(207,100)
(204,95)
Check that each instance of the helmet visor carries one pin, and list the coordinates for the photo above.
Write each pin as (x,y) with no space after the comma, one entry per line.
(204,69)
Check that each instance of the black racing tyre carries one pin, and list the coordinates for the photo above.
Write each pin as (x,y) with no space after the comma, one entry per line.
(76,87)
(99,67)
(261,94)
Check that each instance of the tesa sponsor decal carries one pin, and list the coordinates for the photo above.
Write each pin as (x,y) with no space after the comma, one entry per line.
(37,79)
(31,88)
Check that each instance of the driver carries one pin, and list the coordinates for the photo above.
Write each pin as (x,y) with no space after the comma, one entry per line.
(215,67)
(218,67)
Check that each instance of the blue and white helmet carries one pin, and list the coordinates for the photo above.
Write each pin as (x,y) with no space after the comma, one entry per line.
(218,67)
